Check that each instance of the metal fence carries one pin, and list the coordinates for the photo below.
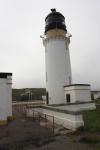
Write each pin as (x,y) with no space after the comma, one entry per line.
(21,108)
(45,120)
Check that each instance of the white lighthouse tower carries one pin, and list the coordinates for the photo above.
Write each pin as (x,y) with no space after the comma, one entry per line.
(58,69)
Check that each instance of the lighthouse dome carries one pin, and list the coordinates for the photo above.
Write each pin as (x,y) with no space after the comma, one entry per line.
(55,20)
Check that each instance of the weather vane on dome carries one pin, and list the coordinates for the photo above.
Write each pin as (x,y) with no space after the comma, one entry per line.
(53,9)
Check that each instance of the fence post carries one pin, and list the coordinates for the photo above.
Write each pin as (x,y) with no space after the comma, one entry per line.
(45,121)
(53,124)
(39,117)
(33,115)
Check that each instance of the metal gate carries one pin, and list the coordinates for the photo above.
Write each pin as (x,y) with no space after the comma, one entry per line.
(44,120)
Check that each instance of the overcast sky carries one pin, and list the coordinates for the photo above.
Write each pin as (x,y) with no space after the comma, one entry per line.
(22,51)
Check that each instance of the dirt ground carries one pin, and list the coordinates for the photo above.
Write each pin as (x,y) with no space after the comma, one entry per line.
(26,134)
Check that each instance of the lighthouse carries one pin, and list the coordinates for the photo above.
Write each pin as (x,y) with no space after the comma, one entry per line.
(56,41)
(65,100)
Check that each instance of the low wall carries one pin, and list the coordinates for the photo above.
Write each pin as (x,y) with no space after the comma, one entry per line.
(68,119)
(78,107)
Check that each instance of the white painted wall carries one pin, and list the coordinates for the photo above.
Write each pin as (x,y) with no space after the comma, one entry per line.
(3,114)
(58,68)
(5,97)
(78,93)
(66,120)
(78,107)
(9,95)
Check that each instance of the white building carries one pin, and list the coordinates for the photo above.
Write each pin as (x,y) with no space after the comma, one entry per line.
(95,94)
(76,93)
(5,97)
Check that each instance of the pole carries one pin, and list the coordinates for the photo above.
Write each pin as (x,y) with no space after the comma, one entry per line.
(53,125)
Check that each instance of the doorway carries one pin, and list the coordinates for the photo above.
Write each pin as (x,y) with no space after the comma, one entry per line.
(68,98)
(47,97)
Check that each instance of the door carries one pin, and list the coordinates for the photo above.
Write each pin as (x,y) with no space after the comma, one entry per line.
(47,97)
(68,98)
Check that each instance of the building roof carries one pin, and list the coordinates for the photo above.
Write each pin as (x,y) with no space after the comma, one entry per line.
(77,85)
(5,74)
(55,20)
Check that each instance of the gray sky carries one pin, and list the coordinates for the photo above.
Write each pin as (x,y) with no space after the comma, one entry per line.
(21,49)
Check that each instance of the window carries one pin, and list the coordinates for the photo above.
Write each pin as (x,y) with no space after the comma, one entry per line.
(46,77)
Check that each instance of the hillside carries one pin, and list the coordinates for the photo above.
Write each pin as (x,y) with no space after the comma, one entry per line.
(26,94)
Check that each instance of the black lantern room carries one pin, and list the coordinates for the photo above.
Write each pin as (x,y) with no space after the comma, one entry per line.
(55,20)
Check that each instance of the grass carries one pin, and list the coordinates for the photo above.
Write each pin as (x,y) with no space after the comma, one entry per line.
(90,133)
(97,101)
(92,120)
(91,128)
(90,140)
(97,147)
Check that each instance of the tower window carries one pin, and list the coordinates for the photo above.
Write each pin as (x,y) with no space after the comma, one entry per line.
(46,77)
